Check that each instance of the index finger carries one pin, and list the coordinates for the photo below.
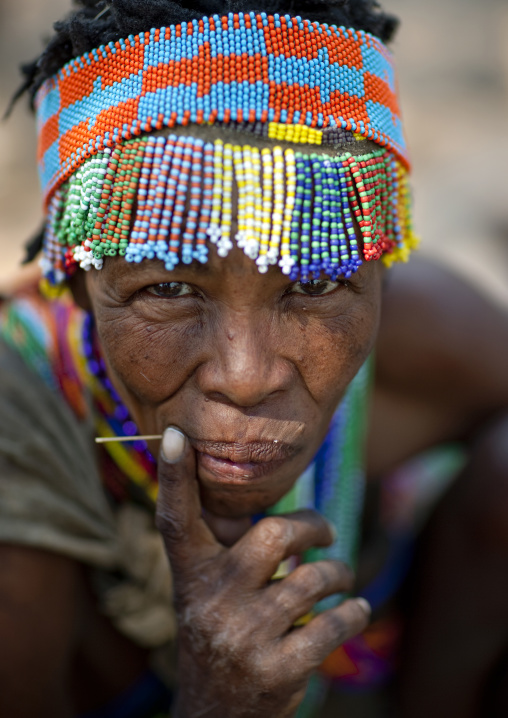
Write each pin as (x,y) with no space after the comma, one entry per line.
(187,538)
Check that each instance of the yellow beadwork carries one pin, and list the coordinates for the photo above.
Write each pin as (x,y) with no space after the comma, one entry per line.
(289,206)
(295,133)
(252,244)
(278,205)
(257,191)
(241,235)
(266,218)
(410,241)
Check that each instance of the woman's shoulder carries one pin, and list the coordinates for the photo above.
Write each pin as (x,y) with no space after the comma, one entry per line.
(45,331)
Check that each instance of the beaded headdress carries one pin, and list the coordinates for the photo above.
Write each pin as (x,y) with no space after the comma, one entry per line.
(113,183)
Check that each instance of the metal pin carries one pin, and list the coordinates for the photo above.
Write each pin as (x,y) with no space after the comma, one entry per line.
(111,439)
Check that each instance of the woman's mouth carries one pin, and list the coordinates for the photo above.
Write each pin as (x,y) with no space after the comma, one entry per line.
(235,462)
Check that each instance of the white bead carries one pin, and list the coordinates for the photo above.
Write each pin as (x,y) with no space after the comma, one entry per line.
(286,264)
(251,248)
(214,233)
(241,238)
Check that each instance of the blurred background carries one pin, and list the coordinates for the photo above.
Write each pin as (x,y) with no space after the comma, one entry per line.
(453,63)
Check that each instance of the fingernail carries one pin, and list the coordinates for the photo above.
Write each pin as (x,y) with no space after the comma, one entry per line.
(333,530)
(173,445)
(364,605)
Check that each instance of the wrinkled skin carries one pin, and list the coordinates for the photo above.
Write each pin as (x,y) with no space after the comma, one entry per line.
(241,361)
(251,369)
(238,653)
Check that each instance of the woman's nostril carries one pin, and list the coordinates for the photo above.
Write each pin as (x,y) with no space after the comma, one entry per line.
(242,397)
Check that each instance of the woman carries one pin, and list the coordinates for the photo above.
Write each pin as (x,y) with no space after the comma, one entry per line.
(231,184)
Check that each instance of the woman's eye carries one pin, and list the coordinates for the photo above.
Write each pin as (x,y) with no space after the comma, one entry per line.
(315,287)
(169,290)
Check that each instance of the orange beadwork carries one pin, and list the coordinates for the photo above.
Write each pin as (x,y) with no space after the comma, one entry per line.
(290,71)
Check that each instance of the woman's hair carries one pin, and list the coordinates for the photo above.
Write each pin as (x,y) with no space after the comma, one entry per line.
(98,22)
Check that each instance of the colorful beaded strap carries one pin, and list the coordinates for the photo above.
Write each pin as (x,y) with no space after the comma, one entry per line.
(243,68)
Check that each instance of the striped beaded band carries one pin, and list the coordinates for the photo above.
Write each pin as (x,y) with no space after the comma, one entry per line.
(293,209)
(238,68)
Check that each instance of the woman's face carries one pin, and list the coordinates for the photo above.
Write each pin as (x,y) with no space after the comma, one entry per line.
(251,367)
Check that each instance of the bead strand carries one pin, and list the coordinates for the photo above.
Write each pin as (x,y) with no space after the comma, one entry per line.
(242,233)
(180,173)
(197,198)
(194,148)
(167,187)
(263,260)
(207,203)
(257,183)
(224,245)
(214,230)
(278,205)
(295,235)
(319,258)
(287,261)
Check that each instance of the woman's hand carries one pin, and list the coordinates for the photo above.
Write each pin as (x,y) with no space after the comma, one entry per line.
(238,654)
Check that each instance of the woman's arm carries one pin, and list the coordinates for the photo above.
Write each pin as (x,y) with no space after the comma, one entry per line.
(59,656)
(441,375)
(441,363)
(40,615)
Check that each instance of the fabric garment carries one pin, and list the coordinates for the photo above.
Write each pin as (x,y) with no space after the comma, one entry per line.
(51,496)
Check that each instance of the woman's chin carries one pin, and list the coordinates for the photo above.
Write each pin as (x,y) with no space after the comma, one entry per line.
(238,499)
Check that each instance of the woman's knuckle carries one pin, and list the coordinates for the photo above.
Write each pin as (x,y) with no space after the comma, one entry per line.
(287,605)
(169,526)
(337,627)
(341,574)
(272,534)
(315,576)
(267,673)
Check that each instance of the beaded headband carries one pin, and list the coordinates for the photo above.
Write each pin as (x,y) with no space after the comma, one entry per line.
(280,77)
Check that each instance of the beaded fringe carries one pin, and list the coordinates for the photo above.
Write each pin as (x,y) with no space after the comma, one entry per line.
(169,197)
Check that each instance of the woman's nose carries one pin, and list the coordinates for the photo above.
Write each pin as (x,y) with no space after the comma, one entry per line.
(246,368)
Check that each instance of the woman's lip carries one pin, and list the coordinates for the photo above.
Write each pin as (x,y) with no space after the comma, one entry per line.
(245,453)
(234,471)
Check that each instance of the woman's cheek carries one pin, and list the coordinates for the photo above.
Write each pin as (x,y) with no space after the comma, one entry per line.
(334,348)
(148,361)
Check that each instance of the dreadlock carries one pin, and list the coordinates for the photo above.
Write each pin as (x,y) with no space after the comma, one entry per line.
(97,22)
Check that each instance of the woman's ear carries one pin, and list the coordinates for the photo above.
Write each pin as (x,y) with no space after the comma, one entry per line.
(77,285)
